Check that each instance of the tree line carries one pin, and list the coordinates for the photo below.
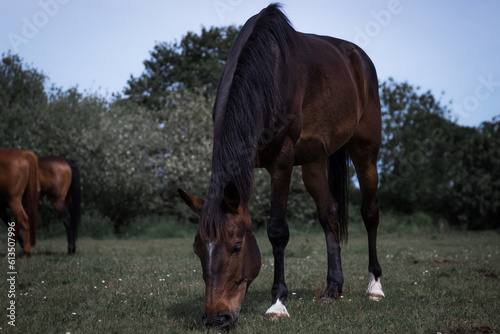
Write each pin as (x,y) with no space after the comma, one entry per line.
(136,148)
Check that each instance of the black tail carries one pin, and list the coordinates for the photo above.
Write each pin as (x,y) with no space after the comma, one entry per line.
(338,181)
(75,192)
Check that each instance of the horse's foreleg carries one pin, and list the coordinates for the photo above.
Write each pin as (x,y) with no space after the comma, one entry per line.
(277,228)
(278,234)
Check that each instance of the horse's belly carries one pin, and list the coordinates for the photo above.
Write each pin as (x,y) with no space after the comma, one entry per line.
(315,145)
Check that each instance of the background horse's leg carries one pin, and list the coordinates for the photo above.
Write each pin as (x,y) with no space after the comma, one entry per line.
(4,215)
(63,212)
(364,158)
(316,183)
(277,227)
(22,221)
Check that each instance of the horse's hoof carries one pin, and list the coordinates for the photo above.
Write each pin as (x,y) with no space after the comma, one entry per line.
(277,311)
(332,291)
(331,295)
(374,290)
(276,316)
(375,297)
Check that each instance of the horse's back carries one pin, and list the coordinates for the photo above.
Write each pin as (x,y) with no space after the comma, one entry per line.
(326,49)
(340,86)
(55,176)
(14,171)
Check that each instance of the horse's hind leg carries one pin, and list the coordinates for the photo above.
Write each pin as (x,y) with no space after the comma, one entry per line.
(364,156)
(63,212)
(21,219)
(316,183)
(4,215)
(7,219)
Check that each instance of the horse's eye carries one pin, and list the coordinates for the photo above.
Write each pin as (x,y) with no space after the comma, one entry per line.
(236,249)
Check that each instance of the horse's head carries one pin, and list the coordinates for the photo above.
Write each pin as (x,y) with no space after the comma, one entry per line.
(230,260)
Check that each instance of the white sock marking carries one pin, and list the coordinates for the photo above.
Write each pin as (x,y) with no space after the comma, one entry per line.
(374,290)
(278,308)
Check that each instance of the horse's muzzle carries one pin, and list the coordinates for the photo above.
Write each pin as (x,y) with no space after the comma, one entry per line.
(223,320)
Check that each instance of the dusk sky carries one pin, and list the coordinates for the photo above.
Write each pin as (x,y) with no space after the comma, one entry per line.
(450,46)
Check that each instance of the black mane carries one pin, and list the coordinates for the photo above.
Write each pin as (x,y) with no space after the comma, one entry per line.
(252,105)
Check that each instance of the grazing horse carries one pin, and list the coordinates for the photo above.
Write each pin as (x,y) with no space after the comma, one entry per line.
(18,186)
(286,98)
(60,181)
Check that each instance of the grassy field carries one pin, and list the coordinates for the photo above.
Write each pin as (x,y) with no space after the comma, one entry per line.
(434,282)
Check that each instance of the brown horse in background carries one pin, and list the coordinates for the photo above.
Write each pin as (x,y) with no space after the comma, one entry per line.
(286,98)
(18,186)
(60,180)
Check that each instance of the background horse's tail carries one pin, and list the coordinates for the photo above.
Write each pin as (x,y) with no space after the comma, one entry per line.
(75,192)
(338,181)
(31,195)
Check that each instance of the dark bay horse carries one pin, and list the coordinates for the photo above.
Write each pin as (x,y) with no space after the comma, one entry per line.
(60,180)
(286,98)
(19,190)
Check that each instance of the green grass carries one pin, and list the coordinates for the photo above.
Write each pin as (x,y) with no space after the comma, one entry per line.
(434,282)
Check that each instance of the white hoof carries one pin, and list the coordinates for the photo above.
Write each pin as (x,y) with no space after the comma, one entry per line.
(374,290)
(277,310)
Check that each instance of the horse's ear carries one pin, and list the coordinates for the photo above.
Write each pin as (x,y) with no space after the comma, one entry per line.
(195,203)
(232,199)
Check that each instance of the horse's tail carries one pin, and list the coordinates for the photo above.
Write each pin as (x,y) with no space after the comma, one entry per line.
(75,192)
(31,195)
(338,181)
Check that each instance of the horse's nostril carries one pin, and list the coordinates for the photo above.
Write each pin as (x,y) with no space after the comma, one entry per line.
(226,317)
(222,320)
(209,320)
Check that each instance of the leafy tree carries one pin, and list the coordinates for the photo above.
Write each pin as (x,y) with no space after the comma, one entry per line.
(21,94)
(415,139)
(109,142)
(474,196)
(20,85)
(428,163)
(187,155)
(196,62)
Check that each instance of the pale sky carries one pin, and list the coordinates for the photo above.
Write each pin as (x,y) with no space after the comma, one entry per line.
(450,46)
